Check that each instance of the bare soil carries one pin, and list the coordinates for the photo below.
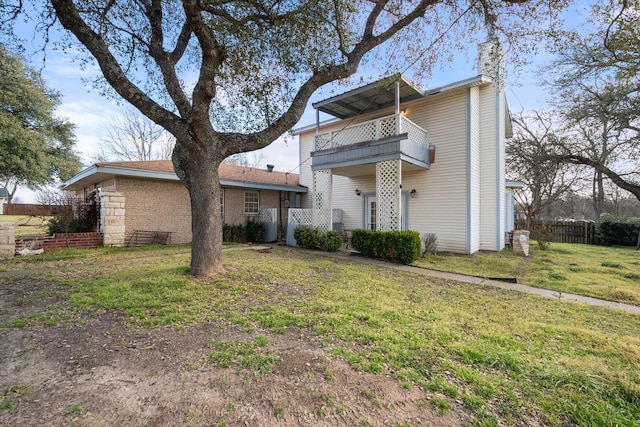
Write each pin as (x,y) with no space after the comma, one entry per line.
(100,371)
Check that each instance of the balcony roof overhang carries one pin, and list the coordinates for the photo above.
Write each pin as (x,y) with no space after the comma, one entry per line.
(372,97)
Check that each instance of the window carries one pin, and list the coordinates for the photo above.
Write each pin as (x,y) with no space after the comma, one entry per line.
(251,202)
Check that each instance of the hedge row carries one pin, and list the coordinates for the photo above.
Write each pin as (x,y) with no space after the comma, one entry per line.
(618,231)
(400,246)
(252,232)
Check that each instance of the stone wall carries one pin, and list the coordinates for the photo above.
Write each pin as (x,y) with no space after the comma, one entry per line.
(521,242)
(7,240)
(112,213)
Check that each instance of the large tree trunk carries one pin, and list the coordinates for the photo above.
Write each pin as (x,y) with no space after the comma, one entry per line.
(202,182)
(206,222)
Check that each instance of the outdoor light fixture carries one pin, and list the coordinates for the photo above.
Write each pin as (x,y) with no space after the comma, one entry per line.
(404,111)
(413,193)
(358,192)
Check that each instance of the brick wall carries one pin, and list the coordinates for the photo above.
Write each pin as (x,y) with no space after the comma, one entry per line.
(234,204)
(61,241)
(157,206)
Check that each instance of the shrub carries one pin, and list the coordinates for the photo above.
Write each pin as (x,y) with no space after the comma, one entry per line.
(617,231)
(239,233)
(77,215)
(306,237)
(330,241)
(544,237)
(400,246)
(234,233)
(254,231)
(312,238)
(429,244)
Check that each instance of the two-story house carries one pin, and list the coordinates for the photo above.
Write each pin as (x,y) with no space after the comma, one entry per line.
(397,157)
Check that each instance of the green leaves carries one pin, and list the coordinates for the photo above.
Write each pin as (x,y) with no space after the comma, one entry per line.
(36,147)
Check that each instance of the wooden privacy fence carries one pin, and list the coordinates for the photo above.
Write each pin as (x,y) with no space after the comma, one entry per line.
(562,231)
(33,210)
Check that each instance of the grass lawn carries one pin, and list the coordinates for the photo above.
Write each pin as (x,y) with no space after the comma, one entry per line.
(508,358)
(26,225)
(610,273)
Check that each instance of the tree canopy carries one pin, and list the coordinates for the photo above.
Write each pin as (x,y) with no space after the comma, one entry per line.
(36,147)
(598,85)
(231,76)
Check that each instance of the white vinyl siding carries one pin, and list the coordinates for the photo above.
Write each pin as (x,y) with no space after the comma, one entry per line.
(440,204)
(490,196)
(474,170)
(456,198)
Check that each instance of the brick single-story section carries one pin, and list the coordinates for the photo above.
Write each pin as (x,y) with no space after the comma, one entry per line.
(147,195)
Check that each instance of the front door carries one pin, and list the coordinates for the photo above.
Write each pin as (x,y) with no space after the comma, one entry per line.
(371,214)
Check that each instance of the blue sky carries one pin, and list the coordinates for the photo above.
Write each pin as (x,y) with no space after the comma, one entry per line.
(90,112)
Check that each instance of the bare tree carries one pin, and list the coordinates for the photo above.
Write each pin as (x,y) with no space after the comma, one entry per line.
(132,136)
(255,159)
(546,181)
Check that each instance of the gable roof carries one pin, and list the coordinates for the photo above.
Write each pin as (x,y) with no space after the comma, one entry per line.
(230,175)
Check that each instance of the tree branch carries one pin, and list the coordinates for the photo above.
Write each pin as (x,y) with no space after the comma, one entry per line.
(162,58)
(70,19)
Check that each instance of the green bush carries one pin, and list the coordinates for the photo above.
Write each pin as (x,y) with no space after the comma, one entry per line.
(400,246)
(330,241)
(254,231)
(308,238)
(234,233)
(617,231)
(312,238)
(239,233)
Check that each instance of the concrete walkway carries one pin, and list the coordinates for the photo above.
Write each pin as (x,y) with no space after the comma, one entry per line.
(545,293)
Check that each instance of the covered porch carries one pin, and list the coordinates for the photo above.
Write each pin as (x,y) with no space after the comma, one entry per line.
(383,148)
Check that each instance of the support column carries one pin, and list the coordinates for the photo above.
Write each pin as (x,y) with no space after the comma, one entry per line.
(322,204)
(389,196)
(7,240)
(112,212)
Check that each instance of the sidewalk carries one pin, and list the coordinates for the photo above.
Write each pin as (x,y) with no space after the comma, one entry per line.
(545,293)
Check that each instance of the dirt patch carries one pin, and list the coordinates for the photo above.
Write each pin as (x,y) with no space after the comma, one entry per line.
(100,371)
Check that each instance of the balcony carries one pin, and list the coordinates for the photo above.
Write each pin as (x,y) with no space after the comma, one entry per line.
(354,150)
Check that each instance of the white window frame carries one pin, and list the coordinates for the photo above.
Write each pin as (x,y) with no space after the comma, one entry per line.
(251,207)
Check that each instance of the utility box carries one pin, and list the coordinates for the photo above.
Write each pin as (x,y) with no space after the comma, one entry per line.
(269,220)
(521,242)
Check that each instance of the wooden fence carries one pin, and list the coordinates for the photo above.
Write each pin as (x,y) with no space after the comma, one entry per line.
(562,231)
(33,210)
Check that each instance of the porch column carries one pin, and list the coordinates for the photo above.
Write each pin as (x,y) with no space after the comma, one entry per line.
(322,188)
(389,196)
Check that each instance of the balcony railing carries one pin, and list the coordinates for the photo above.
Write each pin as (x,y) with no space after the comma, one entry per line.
(374,129)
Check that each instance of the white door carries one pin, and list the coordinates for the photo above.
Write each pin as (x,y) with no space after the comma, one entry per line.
(371,215)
